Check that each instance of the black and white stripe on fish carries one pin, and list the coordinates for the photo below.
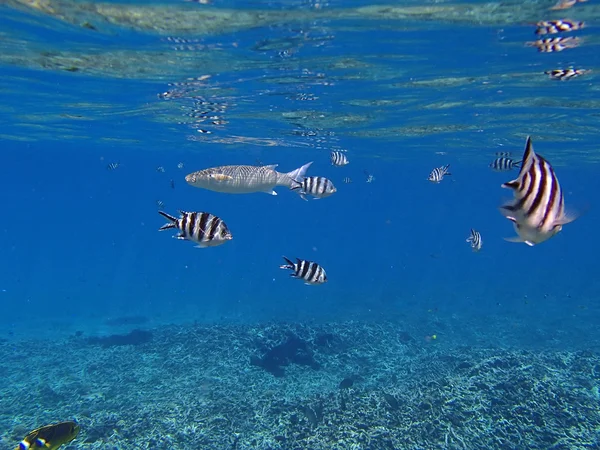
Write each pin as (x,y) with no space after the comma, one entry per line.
(538,210)
(309,271)
(205,229)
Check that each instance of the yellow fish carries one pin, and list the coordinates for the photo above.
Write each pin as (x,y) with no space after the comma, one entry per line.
(50,437)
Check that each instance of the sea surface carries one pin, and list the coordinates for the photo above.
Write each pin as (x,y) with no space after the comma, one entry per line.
(106,107)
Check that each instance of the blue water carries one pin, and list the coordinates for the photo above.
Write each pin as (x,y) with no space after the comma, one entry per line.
(81,243)
(402,88)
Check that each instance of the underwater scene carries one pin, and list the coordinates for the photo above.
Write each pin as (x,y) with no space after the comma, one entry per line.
(299,224)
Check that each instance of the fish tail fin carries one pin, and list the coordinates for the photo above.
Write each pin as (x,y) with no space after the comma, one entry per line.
(295,185)
(517,163)
(296,175)
(171,220)
(289,265)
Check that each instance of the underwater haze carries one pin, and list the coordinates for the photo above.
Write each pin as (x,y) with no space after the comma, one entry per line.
(416,340)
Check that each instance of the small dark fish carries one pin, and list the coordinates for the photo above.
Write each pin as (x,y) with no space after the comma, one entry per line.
(160,204)
(438,174)
(347,180)
(504,164)
(370,178)
(200,130)
(160,169)
(391,401)
(50,437)
(318,187)
(346,383)
(339,159)
(475,240)
(180,165)
(565,74)
(172,183)
(538,209)
(556,44)
(557,26)
(113,166)
(205,229)
(309,271)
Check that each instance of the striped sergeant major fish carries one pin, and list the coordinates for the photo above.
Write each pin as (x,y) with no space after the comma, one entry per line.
(557,26)
(205,229)
(113,166)
(50,437)
(339,159)
(309,271)
(245,179)
(556,44)
(318,187)
(538,209)
(504,164)
(565,74)
(475,240)
(438,174)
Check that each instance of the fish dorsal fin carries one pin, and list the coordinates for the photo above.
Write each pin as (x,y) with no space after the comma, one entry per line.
(271,166)
(529,153)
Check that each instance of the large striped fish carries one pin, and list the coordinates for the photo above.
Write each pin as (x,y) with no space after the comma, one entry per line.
(245,179)
(538,209)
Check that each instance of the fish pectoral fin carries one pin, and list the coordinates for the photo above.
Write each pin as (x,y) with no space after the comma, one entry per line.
(221,177)
(515,184)
(518,239)
(200,246)
(270,192)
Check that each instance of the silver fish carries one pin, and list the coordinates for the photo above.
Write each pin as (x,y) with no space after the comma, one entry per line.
(205,229)
(309,271)
(245,179)
(339,159)
(318,187)
(538,210)
(475,240)
(565,4)
(438,174)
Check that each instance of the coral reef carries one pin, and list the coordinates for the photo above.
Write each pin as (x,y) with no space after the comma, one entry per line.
(292,351)
(194,387)
(134,337)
